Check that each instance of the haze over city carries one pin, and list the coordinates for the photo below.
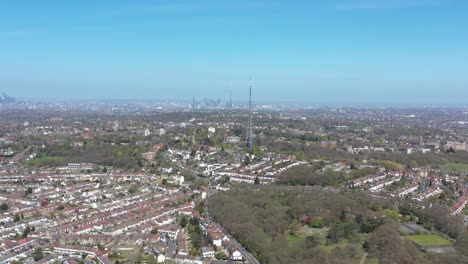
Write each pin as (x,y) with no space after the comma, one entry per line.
(410,52)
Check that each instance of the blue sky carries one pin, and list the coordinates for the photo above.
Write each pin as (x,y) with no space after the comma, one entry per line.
(392,51)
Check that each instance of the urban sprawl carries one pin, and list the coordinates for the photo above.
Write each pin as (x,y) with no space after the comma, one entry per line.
(140,182)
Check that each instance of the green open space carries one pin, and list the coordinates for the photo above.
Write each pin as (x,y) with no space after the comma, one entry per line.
(455,166)
(328,248)
(372,261)
(429,240)
(305,231)
(292,237)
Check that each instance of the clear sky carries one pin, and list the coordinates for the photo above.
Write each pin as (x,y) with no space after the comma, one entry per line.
(393,51)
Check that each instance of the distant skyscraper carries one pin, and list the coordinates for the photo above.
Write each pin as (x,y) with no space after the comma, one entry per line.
(4,98)
(249,142)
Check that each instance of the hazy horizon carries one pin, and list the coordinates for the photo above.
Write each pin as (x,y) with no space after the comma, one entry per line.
(409,52)
(256,103)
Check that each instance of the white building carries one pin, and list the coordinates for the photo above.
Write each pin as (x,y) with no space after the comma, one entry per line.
(147,132)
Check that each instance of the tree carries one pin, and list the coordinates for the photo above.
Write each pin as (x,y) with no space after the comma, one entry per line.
(183,221)
(317,222)
(194,221)
(136,152)
(392,214)
(366,227)
(342,230)
(154,231)
(300,156)
(462,244)
(247,160)
(164,181)
(26,232)
(386,244)
(312,241)
(220,255)
(294,227)
(257,152)
(343,215)
(17,218)
(257,180)
(455,226)
(100,247)
(259,217)
(384,241)
(4,207)
(133,189)
(38,254)
(200,208)
(196,236)
(136,257)
(151,259)
(28,191)
(341,253)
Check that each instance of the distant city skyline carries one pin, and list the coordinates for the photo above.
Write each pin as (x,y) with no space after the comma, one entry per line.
(355,51)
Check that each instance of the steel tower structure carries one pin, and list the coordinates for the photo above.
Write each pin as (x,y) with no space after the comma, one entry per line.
(248,141)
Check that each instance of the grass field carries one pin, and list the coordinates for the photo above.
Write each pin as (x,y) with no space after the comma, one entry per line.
(305,231)
(455,166)
(344,242)
(292,237)
(329,248)
(300,235)
(429,240)
(372,261)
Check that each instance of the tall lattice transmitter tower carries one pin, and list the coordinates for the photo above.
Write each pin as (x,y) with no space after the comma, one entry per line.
(248,141)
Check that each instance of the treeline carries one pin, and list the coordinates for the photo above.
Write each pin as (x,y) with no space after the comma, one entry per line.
(310,152)
(435,216)
(101,153)
(310,175)
(261,218)
(315,151)
(413,160)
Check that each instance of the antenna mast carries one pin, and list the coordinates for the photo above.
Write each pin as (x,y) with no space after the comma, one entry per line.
(249,143)
(230,98)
